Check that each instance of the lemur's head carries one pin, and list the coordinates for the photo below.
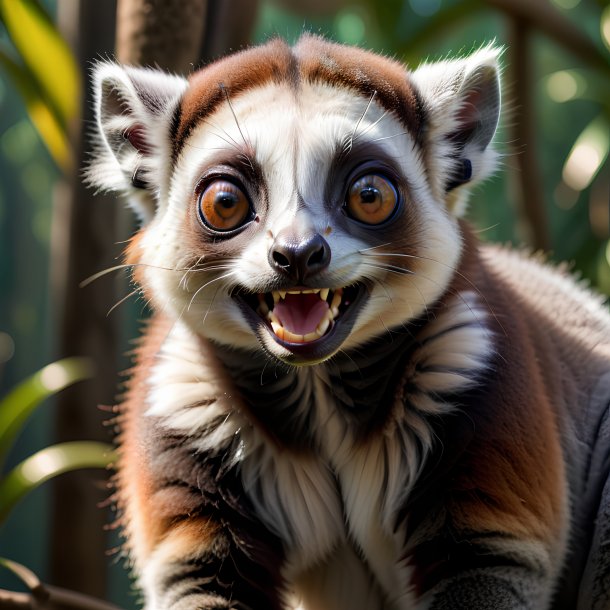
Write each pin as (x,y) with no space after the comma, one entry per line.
(302,198)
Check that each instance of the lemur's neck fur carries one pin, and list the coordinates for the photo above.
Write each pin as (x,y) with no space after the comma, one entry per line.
(365,383)
(358,381)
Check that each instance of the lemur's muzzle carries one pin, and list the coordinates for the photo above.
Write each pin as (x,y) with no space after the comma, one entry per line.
(299,257)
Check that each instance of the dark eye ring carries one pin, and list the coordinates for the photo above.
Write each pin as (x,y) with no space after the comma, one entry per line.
(223,205)
(371,199)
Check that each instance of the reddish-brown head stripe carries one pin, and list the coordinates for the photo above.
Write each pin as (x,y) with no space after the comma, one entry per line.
(312,59)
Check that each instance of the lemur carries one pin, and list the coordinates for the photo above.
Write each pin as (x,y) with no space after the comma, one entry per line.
(344,400)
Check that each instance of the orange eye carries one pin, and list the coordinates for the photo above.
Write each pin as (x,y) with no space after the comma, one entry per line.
(371,199)
(223,206)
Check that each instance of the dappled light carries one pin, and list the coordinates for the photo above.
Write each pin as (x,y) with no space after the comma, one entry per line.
(564,86)
(67,295)
(588,154)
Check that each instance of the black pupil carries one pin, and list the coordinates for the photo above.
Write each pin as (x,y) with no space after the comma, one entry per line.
(369,194)
(227,200)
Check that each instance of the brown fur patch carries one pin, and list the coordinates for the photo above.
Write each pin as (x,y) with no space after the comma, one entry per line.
(135,480)
(368,73)
(132,256)
(226,78)
(187,537)
(312,60)
(511,477)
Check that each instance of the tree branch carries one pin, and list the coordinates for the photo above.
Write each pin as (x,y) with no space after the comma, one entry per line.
(520,73)
(45,597)
(544,17)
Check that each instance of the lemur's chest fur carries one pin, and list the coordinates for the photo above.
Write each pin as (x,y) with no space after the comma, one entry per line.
(328,455)
(343,398)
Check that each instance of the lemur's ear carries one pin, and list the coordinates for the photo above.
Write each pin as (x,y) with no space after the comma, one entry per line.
(133,109)
(462,101)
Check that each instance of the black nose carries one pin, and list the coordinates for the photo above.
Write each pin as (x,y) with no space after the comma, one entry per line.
(299,257)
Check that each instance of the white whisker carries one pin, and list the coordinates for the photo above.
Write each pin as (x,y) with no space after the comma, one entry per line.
(121,301)
(205,317)
(241,133)
(400,133)
(103,272)
(350,141)
(216,279)
(391,268)
(371,126)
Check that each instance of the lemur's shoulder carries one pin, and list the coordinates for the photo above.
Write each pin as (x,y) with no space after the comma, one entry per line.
(555,295)
(549,321)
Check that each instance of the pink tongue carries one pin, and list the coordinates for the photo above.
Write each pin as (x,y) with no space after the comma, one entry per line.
(300,313)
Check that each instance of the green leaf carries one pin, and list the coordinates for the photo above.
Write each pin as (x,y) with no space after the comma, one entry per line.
(48,463)
(18,405)
(45,53)
(51,131)
(24,574)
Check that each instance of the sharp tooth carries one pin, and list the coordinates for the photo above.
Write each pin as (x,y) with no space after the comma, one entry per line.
(282,294)
(336,300)
(324,293)
(292,337)
(323,326)
(334,311)
(273,318)
(278,329)
(276,296)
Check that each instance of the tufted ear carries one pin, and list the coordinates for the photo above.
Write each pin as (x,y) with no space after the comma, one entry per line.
(133,108)
(462,101)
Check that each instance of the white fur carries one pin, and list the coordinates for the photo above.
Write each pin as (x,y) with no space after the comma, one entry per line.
(322,503)
(191,393)
(111,168)
(444,85)
(318,119)
(331,505)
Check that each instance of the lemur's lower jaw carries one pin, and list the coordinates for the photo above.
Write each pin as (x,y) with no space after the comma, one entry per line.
(306,325)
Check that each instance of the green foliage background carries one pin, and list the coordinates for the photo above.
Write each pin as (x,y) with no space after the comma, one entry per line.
(409,29)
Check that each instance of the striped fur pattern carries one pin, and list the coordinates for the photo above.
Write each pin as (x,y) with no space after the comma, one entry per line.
(429,447)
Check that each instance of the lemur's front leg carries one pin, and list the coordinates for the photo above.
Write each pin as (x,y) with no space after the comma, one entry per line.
(497,538)
(490,571)
(193,539)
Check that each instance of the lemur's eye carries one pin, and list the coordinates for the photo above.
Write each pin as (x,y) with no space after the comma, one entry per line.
(223,206)
(371,199)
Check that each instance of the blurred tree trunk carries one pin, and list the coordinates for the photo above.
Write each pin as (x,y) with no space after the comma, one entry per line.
(541,16)
(229,27)
(84,231)
(522,82)
(526,18)
(161,33)
(177,35)
(169,34)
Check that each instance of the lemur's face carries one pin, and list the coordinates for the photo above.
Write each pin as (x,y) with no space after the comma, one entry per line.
(302,220)
(300,214)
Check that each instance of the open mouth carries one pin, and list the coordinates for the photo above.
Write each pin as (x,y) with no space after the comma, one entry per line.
(299,318)
(303,316)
